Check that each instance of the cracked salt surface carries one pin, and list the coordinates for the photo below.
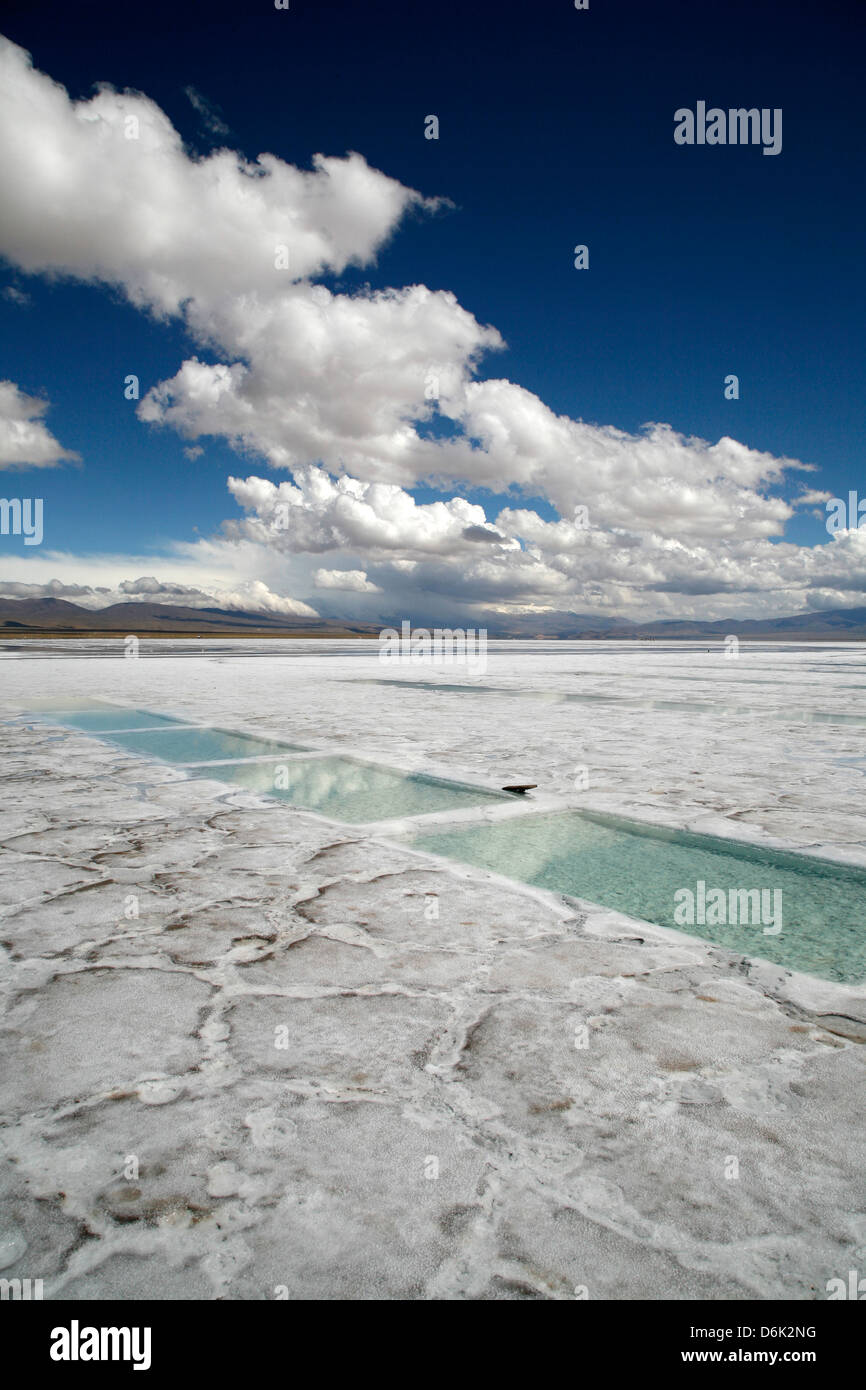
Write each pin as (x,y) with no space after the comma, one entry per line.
(430,1129)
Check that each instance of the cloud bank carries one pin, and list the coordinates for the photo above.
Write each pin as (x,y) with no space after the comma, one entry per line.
(364,396)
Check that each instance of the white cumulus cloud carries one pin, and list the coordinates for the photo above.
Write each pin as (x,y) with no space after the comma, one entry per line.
(25,442)
(347,581)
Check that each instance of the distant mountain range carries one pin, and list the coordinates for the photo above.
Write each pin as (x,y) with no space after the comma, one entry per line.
(58,616)
(61,618)
(845,623)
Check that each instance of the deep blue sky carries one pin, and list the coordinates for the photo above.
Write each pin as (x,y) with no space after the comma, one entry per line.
(556,128)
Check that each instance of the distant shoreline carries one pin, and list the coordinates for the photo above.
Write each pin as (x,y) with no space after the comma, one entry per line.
(83,634)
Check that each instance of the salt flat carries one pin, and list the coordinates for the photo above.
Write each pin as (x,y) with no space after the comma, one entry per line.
(340,1068)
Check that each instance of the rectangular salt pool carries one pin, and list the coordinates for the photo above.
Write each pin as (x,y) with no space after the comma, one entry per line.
(197,745)
(99,721)
(337,787)
(351,791)
(638,869)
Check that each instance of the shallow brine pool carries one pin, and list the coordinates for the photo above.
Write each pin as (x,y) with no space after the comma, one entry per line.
(99,721)
(198,745)
(351,791)
(160,736)
(802,913)
(339,787)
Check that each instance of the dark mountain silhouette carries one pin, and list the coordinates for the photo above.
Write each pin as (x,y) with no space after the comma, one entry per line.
(58,616)
(61,618)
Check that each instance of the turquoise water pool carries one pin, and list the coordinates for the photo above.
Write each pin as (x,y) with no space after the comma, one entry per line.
(197,745)
(805,913)
(351,791)
(341,788)
(640,870)
(99,721)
